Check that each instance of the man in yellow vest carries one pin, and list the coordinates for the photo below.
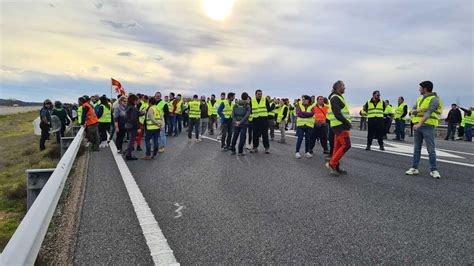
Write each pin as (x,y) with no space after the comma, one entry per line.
(179,113)
(225,114)
(375,109)
(340,123)
(154,124)
(401,112)
(219,124)
(304,126)
(468,121)
(260,108)
(212,106)
(142,108)
(427,112)
(105,119)
(194,118)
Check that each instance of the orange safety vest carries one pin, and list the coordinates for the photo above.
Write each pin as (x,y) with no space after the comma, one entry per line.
(91,118)
(320,114)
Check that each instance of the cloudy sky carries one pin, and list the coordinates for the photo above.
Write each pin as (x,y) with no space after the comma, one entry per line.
(62,49)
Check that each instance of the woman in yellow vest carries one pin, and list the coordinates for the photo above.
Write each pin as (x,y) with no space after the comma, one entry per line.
(426,116)
(154,122)
(194,118)
(105,119)
(304,125)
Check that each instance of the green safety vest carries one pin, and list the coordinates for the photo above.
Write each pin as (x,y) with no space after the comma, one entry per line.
(186,105)
(374,111)
(280,113)
(423,103)
(212,108)
(170,106)
(275,110)
(156,115)
(161,106)
(228,109)
(334,122)
(179,107)
(399,111)
(363,114)
(194,109)
(259,109)
(388,110)
(79,114)
(305,121)
(469,119)
(106,115)
(143,108)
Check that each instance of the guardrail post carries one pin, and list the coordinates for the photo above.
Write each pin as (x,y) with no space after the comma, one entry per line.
(75,129)
(65,142)
(36,179)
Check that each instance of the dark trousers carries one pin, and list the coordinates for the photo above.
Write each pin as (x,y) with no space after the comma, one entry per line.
(387,125)
(185,120)
(194,123)
(103,128)
(226,138)
(132,134)
(400,129)
(120,136)
(411,128)
(240,133)
(331,141)
(460,131)
(321,133)
(44,135)
(376,130)
(303,132)
(60,133)
(179,124)
(250,132)
(271,127)
(93,136)
(451,130)
(155,136)
(363,124)
(260,128)
(212,122)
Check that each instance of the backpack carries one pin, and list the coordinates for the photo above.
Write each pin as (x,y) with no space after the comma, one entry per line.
(239,112)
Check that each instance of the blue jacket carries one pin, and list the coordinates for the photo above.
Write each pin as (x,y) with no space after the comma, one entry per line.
(220,111)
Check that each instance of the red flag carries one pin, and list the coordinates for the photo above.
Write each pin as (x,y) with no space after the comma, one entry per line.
(117,87)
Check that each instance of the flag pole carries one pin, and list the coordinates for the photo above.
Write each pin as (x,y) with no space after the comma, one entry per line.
(111,89)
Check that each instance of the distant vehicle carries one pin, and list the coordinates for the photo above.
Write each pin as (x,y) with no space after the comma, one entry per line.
(15,105)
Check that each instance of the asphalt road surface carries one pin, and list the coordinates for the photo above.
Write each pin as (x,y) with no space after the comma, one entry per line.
(213,207)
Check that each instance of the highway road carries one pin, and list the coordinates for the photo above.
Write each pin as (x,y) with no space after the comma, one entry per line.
(213,207)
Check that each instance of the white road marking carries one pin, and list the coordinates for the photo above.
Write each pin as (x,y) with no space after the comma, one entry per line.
(178,211)
(160,251)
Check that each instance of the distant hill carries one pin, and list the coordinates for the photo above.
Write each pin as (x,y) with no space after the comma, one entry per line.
(11,102)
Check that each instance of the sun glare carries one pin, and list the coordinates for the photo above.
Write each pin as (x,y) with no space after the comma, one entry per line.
(218,9)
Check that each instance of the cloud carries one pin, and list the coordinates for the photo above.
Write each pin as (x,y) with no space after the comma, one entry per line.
(125,54)
(118,25)
(99,5)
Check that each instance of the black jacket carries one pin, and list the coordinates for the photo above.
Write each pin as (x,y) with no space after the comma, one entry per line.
(454,116)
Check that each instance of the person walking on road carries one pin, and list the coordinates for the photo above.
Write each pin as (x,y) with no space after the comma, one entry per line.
(320,130)
(468,122)
(119,122)
(142,107)
(162,105)
(240,115)
(453,119)
(205,114)
(401,112)
(271,118)
(45,124)
(304,126)
(194,118)
(219,124)
(260,108)
(90,122)
(61,113)
(388,117)
(340,121)
(282,119)
(212,106)
(427,112)
(172,111)
(104,114)
(375,109)
(153,123)
(225,114)
(131,124)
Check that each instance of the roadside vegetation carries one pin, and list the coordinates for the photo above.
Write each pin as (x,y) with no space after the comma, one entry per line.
(19,150)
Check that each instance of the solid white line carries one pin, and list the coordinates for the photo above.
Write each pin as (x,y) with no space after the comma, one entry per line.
(160,251)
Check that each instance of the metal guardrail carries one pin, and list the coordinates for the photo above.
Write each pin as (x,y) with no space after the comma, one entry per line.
(23,247)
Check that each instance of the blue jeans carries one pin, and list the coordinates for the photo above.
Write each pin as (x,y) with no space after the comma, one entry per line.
(155,135)
(240,132)
(427,133)
(163,137)
(179,124)
(468,131)
(306,133)
(400,128)
(172,125)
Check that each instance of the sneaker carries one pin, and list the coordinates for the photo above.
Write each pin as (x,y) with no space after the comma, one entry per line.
(119,151)
(131,158)
(254,150)
(240,154)
(190,140)
(412,171)
(139,148)
(198,140)
(297,155)
(435,174)
(382,148)
(332,171)
(161,150)
(147,158)
(308,155)
(249,147)
(340,170)
(225,149)
(233,153)
(267,151)
(367,148)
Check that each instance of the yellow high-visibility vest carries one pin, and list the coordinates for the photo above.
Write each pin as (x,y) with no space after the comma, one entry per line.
(345,112)
(399,111)
(259,109)
(156,115)
(305,121)
(423,103)
(374,111)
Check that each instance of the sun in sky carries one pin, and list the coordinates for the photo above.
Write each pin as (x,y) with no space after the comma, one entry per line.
(218,9)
